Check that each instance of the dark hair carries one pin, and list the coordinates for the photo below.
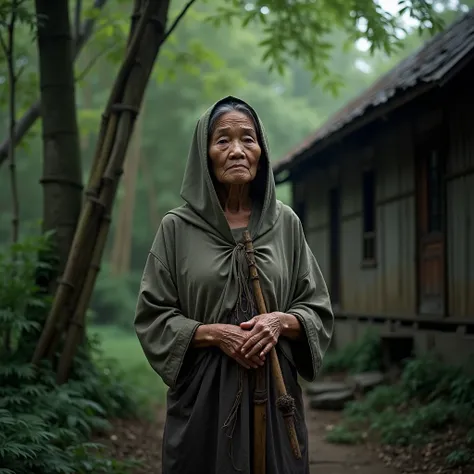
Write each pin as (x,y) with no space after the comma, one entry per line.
(231,106)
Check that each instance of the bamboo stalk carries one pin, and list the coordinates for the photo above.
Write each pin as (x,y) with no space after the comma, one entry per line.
(8,47)
(96,209)
(106,200)
(74,332)
(71,304)
(132,98)
(12,80)
(285,402)
(107,196)
(85,226)
(117,91)
(105,203)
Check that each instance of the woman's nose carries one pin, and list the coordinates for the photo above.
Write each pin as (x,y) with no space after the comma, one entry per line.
(237,150)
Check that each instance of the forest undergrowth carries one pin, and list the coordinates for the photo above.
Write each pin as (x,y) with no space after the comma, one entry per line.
(46,428)
(422,423)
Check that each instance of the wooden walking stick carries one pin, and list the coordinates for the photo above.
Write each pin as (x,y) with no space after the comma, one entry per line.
(260,422)
(285,402)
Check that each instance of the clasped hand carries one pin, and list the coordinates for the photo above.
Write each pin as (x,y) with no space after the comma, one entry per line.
(249,343)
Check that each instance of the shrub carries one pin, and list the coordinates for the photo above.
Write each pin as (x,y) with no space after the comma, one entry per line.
(45,428)
(460,457)
(427,378)
(363,355)
(377,401)
(430,396)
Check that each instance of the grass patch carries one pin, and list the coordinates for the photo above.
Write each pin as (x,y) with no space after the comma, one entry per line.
(341,435)
(123,349)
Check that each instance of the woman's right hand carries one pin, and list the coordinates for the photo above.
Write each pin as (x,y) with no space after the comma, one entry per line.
(230,340)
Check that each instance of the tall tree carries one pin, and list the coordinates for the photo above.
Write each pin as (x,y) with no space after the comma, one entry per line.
(62,174)
(82,36)
(121,249)
(147,33)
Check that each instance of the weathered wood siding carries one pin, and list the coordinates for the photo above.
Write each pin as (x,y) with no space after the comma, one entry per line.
(391,286)
(460,209)
(388,287)
(315,191)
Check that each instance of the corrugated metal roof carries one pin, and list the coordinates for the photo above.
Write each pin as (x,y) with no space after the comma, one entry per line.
(429,64)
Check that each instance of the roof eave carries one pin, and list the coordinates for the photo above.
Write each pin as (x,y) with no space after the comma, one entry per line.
(398,99)
(369,116)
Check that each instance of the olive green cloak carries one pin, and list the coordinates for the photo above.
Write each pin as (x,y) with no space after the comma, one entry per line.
(196,274)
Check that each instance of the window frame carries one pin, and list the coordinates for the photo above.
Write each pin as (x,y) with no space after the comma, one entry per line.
(369,229)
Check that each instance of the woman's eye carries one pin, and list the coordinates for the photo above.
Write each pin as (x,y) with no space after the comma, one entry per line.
(248,140)
(221,141)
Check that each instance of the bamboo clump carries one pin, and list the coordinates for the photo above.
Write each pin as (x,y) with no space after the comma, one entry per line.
(83,264)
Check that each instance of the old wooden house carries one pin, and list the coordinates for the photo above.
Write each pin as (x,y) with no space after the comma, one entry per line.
(385,191)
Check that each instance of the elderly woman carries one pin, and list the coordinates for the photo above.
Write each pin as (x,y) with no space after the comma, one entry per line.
(196,318)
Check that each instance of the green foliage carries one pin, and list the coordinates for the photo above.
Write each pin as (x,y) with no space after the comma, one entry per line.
(121,351)
(341,435)
(429,397)
(363,355)
(417,425)
(302,29)
(377,401)
(24,29)
(460,457)
(114,299)
(19,294)
(22,9)
(45,428)
(429,379)
(108,42)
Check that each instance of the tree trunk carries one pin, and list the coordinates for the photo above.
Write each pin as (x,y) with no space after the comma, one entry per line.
(118,232)
(152,196)
(121,251)
(34,112)
(149,33)
(116,129)
(62,175)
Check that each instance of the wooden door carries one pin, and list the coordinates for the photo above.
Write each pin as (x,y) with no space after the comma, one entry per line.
(431,233)
(335,245)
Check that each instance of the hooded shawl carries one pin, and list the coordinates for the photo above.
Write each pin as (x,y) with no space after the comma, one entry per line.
(195,273)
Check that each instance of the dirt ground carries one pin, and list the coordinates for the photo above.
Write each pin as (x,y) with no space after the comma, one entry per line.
(142,440)
(326,458)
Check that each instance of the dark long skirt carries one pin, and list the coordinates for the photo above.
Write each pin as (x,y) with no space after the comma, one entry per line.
(209,426)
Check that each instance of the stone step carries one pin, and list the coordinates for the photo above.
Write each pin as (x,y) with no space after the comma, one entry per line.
(317,388)
(366,381)
(331,400)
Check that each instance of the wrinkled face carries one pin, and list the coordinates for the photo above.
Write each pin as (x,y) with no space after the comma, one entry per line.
(234,150)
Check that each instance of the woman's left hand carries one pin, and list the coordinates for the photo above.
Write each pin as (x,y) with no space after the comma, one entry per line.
(264,330)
